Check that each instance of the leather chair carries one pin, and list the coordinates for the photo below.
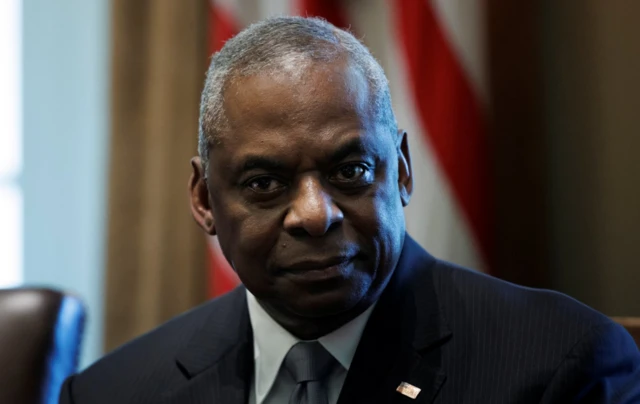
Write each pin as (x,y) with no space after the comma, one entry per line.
(632,324)
(40,333)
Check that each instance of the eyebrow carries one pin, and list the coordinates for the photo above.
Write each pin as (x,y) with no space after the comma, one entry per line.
(260,162)
(354,146)
(253,162)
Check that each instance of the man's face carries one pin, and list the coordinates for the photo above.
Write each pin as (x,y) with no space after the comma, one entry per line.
(306,192)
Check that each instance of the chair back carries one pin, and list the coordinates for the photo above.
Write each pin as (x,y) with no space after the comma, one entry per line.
(40,333)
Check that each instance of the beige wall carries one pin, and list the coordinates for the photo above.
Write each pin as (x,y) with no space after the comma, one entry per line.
(591,79)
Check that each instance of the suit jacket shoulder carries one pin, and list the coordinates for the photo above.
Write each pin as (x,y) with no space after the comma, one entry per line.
(141,370)
(525,344)
(491,303)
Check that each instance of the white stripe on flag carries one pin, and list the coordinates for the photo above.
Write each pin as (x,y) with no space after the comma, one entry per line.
(434,217)
(464,24)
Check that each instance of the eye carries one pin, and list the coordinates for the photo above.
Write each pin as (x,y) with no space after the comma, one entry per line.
(264,184)
(352,173)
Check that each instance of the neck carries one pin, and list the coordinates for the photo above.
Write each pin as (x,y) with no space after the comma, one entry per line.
(307,328)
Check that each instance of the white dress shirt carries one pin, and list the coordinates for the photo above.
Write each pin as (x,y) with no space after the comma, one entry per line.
(271,383)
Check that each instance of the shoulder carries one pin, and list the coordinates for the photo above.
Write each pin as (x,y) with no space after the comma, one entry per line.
(484,299)
(149,360)
(603,366)
(535,328)
(521,336)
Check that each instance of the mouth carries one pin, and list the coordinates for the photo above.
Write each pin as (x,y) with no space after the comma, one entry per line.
(320,269)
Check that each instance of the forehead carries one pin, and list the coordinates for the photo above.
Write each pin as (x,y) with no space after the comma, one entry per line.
(307,92)
(318,106)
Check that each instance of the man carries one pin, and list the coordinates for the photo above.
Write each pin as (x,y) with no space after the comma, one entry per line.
(303,176)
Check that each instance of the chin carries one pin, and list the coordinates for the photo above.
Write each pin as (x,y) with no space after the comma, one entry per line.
(326,303)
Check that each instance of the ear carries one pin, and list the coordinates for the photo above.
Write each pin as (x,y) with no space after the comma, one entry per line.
(199,195)
(405,177)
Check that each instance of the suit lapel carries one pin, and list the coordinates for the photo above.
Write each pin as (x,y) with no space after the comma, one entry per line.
(218,361)
(403,338)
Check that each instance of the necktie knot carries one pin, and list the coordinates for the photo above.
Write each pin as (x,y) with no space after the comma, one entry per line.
(308,361)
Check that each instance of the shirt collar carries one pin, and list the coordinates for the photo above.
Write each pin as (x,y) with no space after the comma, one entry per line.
(271,343)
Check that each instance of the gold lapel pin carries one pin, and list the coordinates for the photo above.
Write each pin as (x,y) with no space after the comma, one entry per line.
(408,390)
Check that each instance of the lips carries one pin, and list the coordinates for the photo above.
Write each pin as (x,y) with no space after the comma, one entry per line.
(316,270)
(317,264)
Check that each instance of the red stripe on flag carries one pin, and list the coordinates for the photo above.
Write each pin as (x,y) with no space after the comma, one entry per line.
(222,26)
(451,114)
(222,278)
(330,10)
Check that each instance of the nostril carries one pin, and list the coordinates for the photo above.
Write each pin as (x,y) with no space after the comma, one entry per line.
(334,226)
(297,232)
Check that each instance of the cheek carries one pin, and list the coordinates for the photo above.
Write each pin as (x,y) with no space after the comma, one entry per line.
(378,223)
(247,239)
(259,230)
(248,236)
(380,212)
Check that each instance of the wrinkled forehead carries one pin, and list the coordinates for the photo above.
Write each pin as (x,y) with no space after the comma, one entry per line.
(298,91)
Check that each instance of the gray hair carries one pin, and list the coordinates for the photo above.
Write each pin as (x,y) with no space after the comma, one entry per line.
(285,42)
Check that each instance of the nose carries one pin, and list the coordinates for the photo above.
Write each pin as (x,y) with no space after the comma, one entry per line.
(312,210)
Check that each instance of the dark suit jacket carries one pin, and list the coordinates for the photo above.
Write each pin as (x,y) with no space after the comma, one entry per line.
(460,336)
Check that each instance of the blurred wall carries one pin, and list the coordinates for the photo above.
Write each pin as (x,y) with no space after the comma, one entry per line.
(65,87)
(591,65)
(519,145)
